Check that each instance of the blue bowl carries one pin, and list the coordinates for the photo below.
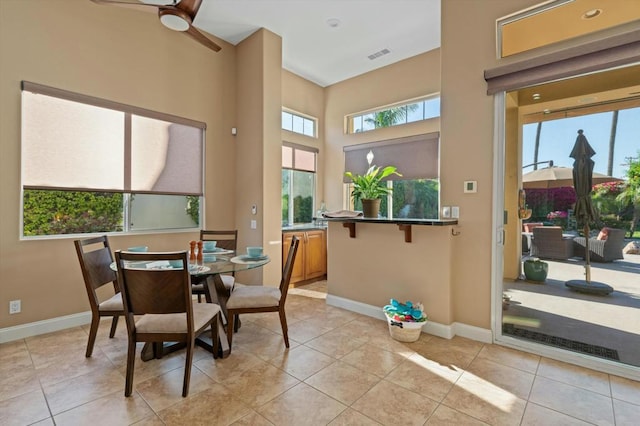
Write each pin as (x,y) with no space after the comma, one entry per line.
(176,263)
(138,249)
(254,251)
(209,245)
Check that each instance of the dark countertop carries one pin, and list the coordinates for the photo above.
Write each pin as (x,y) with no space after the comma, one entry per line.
(304,227)
(427,222)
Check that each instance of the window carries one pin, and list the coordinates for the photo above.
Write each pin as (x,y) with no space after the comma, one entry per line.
(91,165)
(415,194)
(298,184)
(423,109)
(297,123)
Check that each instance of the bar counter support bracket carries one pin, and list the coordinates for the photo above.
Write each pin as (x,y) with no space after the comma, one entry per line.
(407,232)
(352,228)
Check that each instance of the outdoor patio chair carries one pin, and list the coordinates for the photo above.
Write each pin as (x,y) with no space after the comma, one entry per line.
(549,243)
(602,250)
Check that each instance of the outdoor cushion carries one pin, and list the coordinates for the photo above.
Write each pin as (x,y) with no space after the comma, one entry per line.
(604,233)
(528,227)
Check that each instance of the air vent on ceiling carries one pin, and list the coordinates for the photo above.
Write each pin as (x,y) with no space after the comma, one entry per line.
(378,54)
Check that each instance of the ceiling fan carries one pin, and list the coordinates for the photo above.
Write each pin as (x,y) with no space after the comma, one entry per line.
(177,15)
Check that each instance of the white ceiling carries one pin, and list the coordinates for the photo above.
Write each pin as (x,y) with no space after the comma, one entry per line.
(314,50)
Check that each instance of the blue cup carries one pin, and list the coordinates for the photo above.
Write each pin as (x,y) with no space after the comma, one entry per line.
(254,251)
(209,245)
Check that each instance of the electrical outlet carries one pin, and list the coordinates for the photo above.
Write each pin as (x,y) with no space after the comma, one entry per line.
(14,307)
(446,212)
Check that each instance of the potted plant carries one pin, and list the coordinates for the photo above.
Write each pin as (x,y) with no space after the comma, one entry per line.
(536,270)
(369,187)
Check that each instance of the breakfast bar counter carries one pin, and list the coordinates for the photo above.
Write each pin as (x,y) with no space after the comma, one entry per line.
(371,262)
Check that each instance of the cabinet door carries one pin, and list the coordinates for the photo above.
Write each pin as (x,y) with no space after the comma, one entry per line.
(298,265)
(316,254)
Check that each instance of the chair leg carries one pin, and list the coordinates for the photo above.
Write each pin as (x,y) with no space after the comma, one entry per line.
(93,331)
(236,325)
(214,336)
(114,325)
(285,329)
(230,320)
(187,367)
(131,360)
(199,298)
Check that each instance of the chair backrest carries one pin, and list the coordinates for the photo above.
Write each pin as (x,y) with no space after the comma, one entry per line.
(547,233)
(615,235)
(227,240)
(288,269)
(96,266)
(158,290)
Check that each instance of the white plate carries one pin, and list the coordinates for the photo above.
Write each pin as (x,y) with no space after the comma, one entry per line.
(196,269)
(246,258)
(216,250)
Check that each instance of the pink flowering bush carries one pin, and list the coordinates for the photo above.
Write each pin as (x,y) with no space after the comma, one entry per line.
(557,215)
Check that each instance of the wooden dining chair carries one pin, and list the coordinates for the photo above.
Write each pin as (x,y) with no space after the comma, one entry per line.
(249,299)
(227,240)
(95,259)
(159,307)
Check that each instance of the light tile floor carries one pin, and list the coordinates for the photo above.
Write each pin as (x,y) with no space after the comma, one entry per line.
(342,369)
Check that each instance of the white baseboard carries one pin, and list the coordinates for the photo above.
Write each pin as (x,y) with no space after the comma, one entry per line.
(431,327)
(22,331)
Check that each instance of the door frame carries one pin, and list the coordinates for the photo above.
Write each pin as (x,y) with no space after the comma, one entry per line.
(583,360)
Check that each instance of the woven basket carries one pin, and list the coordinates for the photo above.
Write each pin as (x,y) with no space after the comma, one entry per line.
(403,331)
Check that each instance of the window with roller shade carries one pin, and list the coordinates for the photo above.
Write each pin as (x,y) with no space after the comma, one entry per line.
(298,183)
(90,165)
(416,193)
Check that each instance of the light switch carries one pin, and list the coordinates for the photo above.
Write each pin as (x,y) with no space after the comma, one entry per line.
(455,212)
(254,224)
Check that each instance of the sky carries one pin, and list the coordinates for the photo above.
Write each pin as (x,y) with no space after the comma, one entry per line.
(557,138)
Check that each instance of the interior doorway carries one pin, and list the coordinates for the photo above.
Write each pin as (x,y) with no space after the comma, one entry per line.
(601,332)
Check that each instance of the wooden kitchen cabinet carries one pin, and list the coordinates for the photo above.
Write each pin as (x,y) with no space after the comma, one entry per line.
(311,259)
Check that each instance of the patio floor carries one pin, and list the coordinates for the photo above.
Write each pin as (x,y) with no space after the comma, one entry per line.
(604,326)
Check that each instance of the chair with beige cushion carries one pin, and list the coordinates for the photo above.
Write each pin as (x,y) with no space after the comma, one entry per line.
(607,247)
(227,240)
(549,243)
(95,259)
(249,299)
(159,307)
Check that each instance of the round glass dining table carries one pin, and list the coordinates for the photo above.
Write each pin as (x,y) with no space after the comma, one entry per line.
(212,266)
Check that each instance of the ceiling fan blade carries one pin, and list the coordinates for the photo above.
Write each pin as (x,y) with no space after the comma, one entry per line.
(202,39)
(169,4)
(190,7)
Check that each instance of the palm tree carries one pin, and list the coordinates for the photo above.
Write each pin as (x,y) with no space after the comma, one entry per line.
(631,193)
(612,142)
(391,117)
(537,146)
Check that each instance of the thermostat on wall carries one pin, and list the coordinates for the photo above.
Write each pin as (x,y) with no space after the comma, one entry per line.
(470,186)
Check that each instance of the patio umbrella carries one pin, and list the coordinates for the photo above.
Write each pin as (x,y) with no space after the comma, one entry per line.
(558,177)
(584,211)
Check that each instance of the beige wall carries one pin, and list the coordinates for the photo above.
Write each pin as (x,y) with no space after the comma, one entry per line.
(123,55)
(408,79)
(467,146)
(305,97)
(258,145)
